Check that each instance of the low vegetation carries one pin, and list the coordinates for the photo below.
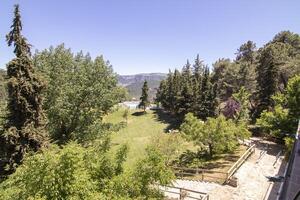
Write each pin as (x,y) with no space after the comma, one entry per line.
(64,137)
(76,172)
(216,135)
(178,148)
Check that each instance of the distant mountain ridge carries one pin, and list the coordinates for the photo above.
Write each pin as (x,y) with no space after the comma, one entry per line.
(134,83)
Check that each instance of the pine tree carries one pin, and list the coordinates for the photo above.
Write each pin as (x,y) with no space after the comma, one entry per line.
(169,97)
(186,72)
(160,93)
(225,76)
(176,88)
(198,69)
(246,57)
(207,98)
(24,126)
(246,52)
(144,98)
(271,57)
(185,101)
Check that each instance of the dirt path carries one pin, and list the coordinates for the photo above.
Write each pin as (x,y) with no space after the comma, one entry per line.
(253,182)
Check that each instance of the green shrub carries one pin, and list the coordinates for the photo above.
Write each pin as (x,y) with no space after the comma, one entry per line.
(74,172)
(217,135)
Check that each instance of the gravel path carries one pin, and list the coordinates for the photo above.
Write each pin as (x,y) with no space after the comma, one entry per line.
(252,176)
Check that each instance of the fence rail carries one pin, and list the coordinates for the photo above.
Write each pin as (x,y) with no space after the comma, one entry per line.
(240,161)
(200,174)
(212,175)
(185,193)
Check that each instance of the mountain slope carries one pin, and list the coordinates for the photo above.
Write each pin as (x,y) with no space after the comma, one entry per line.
(135,82)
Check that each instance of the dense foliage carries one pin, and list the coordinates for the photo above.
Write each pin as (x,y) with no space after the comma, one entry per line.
(261,84)
(261,72)
(80,91)
(190,90)
(3,94)
(237,107)
(216,135)
(75,172)
(25,120)
(278,61)
(282,120)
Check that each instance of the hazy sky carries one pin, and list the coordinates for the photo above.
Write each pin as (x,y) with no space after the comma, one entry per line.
(149,35)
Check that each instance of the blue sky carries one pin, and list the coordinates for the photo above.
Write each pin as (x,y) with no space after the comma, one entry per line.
(149,35)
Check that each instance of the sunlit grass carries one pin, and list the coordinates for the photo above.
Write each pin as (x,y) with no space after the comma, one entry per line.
(137,134)
(143,128)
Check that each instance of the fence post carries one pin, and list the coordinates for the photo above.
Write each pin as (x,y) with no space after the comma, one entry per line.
(180,194)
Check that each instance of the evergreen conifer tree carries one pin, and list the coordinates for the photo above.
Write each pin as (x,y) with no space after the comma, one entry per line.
(246,57)
(207,99)
(24,126)
(145,97)
(271,57)
(169,97)
(176,89)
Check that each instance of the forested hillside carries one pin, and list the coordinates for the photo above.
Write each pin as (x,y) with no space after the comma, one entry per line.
(133,83)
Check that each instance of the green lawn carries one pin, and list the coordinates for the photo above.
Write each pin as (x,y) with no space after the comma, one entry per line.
(138,133)
(143,128)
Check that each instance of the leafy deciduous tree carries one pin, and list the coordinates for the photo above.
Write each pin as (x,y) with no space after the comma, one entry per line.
(216,134)
(80,91)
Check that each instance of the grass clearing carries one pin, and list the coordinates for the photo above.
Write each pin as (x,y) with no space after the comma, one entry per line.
(137,134)
(143,128)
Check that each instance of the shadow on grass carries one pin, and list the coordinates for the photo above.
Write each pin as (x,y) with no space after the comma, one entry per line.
(138,113)
(165,117)
(201,159)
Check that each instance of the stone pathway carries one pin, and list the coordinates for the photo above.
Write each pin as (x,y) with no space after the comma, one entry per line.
(253,182)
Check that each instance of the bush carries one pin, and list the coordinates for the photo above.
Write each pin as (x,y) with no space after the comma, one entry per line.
(168,145)
(74,172)
(276,122)
(289,143)
(217,135)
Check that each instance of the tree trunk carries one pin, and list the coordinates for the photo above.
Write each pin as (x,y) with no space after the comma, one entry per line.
(210,151)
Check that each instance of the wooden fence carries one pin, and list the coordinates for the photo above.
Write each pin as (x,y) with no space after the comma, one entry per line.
(183,193)
(200,174)
(240,161)
(212,175)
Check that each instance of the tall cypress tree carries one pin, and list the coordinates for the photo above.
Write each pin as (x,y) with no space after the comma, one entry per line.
(176,88)
(186,72)
(198,69)
(145,97)
(207,98)
(184,99)
(24,126)
(169,97)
